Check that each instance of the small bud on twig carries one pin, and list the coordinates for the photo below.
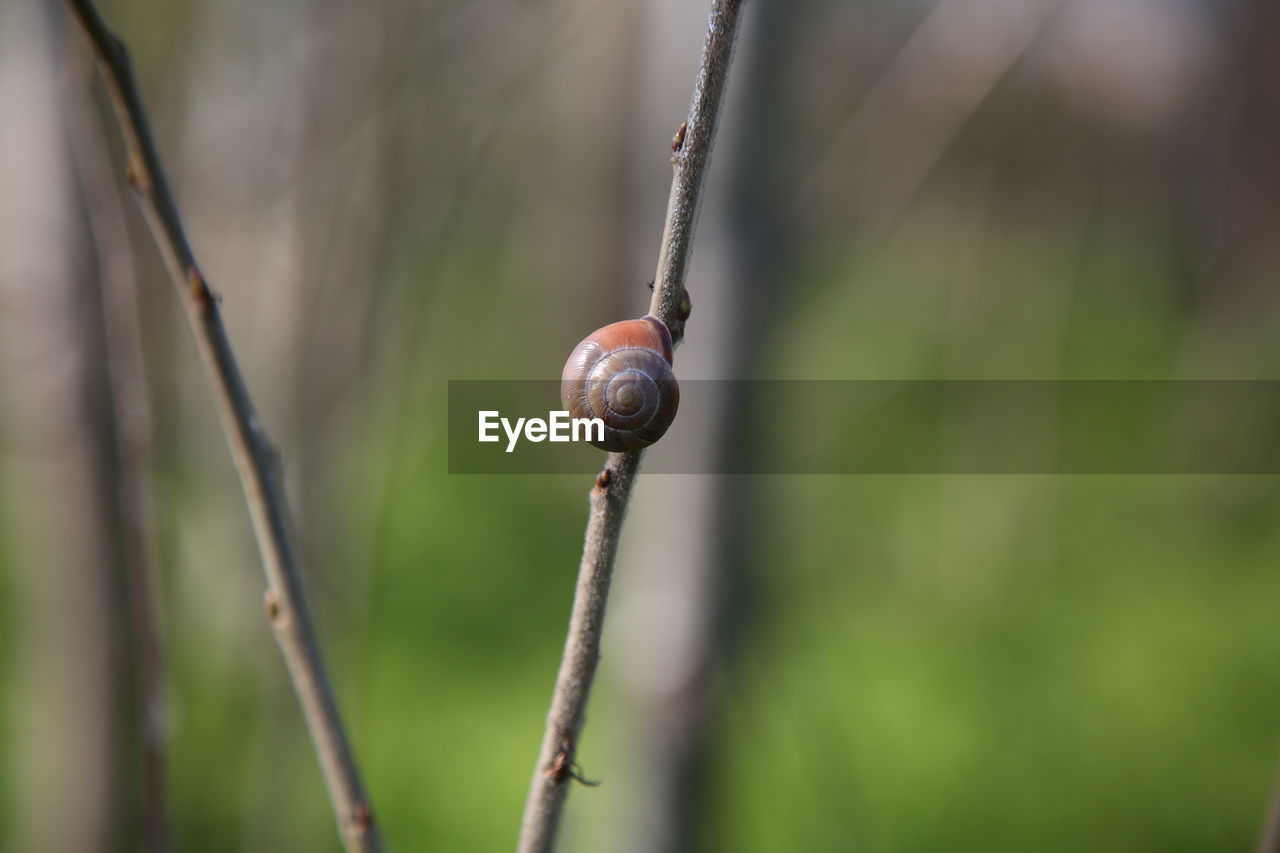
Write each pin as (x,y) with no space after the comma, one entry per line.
(677,141)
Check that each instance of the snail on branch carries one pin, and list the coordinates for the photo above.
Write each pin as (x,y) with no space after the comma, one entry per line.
(621,373)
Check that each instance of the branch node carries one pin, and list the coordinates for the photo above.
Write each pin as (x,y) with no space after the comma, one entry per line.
(198,288)
(686,306)
(136,175)
(564,767)
(274,611)
(677,141)
(603,479)
(361,818)
(683,310)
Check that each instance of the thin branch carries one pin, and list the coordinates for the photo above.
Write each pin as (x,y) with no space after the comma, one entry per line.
(609,499)
(691,158)
(255,458)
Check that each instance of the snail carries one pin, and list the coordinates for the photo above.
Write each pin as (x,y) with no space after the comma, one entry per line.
(621,373)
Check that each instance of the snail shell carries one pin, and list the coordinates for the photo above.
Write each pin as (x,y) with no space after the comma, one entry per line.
(621,373)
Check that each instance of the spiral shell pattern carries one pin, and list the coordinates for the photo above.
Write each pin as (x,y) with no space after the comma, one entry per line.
(622,374)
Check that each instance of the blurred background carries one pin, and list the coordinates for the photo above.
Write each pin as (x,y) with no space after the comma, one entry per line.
(391,194)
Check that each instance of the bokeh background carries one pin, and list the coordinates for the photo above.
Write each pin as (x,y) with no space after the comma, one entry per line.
(388,195)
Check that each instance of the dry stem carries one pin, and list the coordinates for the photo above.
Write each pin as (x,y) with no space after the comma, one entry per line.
(609,499)
(254,456)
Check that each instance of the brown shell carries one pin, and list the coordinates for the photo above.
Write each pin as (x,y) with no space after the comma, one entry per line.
(621,374)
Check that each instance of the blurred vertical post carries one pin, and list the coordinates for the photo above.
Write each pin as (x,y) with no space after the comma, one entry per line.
(130,424)
(63,748)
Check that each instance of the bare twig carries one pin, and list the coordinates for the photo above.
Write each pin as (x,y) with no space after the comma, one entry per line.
(691,157)
(612,492)
(254,456)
